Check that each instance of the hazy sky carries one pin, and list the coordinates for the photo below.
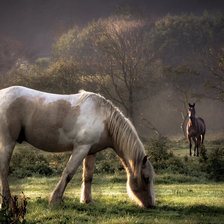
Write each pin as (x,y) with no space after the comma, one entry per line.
(37,22)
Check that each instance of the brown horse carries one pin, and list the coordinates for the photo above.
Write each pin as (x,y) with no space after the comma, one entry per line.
(195,129)
(83,123)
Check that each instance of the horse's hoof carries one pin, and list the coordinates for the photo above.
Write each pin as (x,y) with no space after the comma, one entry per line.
(90,201)
(55,201)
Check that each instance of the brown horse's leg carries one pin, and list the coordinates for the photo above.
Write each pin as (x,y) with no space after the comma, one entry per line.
(5,157)
(88,169)
(195,145)
(198,145)
(190,145)
(78,154)
(202,139)
(201,142)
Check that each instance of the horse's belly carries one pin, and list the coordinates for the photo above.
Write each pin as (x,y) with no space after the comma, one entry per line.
(48,140)
(51,146)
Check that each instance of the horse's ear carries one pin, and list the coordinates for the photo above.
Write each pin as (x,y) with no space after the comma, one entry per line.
(144,160)
(149,157)
(193,105)
(189,104)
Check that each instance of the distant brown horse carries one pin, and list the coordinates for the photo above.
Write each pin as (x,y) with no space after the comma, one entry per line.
(195,129)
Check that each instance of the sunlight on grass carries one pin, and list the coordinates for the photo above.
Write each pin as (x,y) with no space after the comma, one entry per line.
(176,203)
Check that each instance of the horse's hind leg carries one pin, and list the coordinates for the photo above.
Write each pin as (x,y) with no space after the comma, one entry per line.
(201,142)
(198,141)
(88,169)
(5,157)
(202,139)
(78,154)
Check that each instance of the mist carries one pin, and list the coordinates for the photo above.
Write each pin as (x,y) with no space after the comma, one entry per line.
(37,23)
(29,29)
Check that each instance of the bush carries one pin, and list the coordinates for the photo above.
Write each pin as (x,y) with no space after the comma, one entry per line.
(108,162)
(16,211)
(215,164)
(27,163)
(163,159)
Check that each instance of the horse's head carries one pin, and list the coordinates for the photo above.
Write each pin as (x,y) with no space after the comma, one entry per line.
(140,188)
(191,111)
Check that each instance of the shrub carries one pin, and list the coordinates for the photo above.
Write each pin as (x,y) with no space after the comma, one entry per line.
(16,211)
(108,162)
(162,158)
(28,163)
(157,148)
(164,161)
(215,164)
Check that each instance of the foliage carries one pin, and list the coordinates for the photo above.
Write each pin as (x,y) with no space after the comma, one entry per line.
(117,49)
(28,163)
(108,162)
(215,64)
(61,77)
(215,164)
(161,158)
(16,211)
(209,165)
(178,38)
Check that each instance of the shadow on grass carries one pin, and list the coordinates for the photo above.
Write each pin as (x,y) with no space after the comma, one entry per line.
(109,208)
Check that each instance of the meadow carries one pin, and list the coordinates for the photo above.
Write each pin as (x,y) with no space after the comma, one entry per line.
(192,197)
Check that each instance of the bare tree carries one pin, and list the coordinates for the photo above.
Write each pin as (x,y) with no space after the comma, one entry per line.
(185,82)
(214,62)
(126,60)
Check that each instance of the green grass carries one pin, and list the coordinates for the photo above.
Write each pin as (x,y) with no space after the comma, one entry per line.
(176,203)
(180,198)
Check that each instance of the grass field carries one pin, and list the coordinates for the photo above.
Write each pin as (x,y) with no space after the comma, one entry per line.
(176,203)
(179,198)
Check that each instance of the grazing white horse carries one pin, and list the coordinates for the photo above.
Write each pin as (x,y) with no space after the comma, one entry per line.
(84,124)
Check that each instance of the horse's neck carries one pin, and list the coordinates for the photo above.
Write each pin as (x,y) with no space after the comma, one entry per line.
(193,122)
(131,161)
(126,142)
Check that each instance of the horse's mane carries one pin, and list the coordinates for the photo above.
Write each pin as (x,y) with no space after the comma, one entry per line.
(125,138)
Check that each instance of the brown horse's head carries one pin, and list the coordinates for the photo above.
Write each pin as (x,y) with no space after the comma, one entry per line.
(191,111)
(140,188)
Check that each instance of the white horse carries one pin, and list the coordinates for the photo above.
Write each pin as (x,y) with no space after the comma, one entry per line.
(84,124)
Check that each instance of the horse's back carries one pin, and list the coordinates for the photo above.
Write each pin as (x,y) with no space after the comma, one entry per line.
(48,121)
(201,125)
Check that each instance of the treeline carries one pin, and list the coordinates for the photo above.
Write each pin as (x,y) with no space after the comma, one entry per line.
(128,59)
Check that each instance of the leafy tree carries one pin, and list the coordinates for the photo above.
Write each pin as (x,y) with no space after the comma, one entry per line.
(60,77)
(179,39)
(115,52)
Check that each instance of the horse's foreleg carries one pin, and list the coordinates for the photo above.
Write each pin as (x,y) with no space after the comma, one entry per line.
(195,145)
(88,169)
(5,157)
(78,154)
(190,145)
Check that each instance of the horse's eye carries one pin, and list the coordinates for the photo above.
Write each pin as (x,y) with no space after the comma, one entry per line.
(146,179)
